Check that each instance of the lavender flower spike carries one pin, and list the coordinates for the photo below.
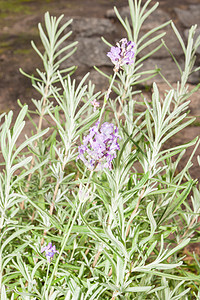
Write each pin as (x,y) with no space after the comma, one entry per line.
(99,147)
(50,251)
(122,54)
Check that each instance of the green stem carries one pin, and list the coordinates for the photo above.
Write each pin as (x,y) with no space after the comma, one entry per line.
(66,235)
(106,97)
(47,274)
(63,246)
(123,96)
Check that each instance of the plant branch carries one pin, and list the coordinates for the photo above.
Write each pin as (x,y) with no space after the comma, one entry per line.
(135,210)
(36,142)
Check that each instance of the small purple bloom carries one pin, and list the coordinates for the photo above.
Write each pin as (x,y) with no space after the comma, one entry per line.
(122,54)
(99,146)
(50,251)
(95,104)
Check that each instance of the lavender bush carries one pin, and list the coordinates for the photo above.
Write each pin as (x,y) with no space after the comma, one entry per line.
(92,207)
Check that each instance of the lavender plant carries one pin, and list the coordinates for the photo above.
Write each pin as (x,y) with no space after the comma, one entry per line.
(93,207)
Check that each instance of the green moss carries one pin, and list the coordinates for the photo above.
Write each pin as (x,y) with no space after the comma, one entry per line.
(22,51)
(13,6)
(8,7)
(17,44)
(5,46)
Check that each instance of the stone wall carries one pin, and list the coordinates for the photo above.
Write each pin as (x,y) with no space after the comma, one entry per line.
(91,50)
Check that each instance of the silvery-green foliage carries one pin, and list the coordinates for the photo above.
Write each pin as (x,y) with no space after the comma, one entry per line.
(10,194)
(119,233)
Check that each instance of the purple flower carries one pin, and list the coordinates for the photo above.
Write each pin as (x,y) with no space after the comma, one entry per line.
(95,104)
(122,54)
(50,251)
(99,146)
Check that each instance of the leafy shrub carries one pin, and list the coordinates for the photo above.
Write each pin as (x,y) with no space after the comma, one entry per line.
(92,207)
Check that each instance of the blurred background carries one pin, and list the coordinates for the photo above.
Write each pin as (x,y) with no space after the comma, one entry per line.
(19,25)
